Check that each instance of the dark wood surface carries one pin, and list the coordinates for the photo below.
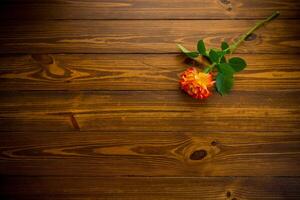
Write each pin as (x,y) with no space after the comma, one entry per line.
(265,72)
(145,9)
(90,106)
(142,36)
(151,188)
(151,154)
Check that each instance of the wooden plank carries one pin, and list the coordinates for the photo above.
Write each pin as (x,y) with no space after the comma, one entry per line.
(145,9)
(141,36)
(148,111)
(265,72)
(177,154)
(97,101)
(150,188)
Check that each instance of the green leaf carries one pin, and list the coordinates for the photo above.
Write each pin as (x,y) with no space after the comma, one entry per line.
(238,64)
(223,60)
(225,69)
(207,70)
(190,54)
(221,54)
(201,47)
(214,56)
(224,46)
(224,83)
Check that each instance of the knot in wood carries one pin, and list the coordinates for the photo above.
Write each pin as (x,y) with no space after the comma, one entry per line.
(225,1)
(198,155)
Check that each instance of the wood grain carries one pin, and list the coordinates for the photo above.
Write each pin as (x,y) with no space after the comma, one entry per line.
(141,36)
(179,154)
(148,111)
(265,72)
(150,188)
(145,9)
(90,106)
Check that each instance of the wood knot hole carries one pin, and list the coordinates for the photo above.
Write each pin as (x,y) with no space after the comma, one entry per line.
(214,143)
(225,1)
(198,155)
(228,194)
(251,37)
(226,4)
(43,59)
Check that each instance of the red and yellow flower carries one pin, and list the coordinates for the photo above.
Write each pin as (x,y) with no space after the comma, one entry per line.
(196,84)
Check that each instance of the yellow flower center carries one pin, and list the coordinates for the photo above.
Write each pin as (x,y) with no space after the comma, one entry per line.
(202,79)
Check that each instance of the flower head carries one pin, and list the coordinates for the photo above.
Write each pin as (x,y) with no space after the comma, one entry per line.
(195,83)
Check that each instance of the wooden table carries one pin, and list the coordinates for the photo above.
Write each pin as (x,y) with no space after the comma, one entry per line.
(90,106)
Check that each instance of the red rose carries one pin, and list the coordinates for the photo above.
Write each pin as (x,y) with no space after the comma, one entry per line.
(196,84)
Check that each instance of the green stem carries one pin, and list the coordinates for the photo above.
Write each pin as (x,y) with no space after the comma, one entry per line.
(250,31)
(209,68)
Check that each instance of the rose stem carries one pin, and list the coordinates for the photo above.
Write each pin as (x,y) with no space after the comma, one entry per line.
(254,28)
